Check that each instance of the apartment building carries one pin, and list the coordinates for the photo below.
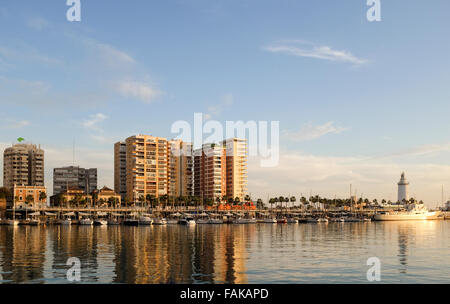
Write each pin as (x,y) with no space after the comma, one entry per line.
(120,169)
(150,165)
(74,177)
(221,170)
(237,171)
(210,171)
(180,168)
(146,166)
(23,164)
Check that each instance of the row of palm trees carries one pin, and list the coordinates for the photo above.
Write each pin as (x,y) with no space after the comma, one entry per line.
(327,203)
(189,201)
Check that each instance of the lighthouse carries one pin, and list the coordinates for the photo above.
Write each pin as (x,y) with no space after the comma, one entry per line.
(403,189)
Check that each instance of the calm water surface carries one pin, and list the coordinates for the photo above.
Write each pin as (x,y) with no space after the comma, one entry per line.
(410,252)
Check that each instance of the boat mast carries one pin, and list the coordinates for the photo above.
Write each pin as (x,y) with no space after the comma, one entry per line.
(14,202)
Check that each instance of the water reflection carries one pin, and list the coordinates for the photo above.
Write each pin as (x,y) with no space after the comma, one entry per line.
(223,253)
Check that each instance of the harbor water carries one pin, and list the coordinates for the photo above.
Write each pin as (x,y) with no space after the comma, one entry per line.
(409,252)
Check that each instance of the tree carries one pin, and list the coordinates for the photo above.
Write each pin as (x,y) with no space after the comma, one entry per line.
(293,200)
(281,200)
(4,192)
(42,196)
(28,200)
(237,200)
(141,199)
(271,202)
(259,204)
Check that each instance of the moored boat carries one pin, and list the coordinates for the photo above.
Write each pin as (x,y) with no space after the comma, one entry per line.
(187,221)
(100,222)
(86,222)
(413,212)
(270,220)
(159,221)
(145,220)
(215,221)
(131,222)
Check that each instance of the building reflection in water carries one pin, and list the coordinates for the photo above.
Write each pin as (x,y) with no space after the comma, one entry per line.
(403,233)
(21,250)
(218,254)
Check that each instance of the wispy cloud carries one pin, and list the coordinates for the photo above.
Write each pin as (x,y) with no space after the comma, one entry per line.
(299,173)
(138,90)
(217,109)
(38,23)
(306,49)
(92,122)
(422,150)
(11,123)
(309,131)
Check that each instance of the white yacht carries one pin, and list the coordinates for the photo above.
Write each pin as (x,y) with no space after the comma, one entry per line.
(100,222)
(67,221)
(12,222)
(240,220)
(270,220)
(160,221)
(187,221)
(145,220)
(291,220)
(413,212)
(86,222)
(215,221)
(202,221)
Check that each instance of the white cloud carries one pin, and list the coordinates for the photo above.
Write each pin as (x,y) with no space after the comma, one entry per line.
(299,173)
(38,23)
(217,109)
(10,123)
(423,150)
(93,120)
(19,124)
(310,132)
(306,49)
(141,91)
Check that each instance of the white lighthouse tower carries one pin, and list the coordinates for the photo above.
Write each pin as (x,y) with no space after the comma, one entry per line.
(403,189)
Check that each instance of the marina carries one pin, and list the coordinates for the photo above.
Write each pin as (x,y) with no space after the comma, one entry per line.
(146,217)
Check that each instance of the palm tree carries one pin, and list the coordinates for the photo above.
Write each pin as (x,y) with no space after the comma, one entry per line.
(271,202)
(230,201)
(293,200)
(281,200)
(28,200)
(42,196)
(259,204)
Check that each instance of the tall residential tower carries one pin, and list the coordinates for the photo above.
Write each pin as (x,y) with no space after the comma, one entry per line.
(23,164)
(120,169)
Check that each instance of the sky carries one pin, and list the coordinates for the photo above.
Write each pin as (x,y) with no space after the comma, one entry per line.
(358,102)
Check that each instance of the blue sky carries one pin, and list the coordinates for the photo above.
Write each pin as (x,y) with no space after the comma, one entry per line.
(358,102)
